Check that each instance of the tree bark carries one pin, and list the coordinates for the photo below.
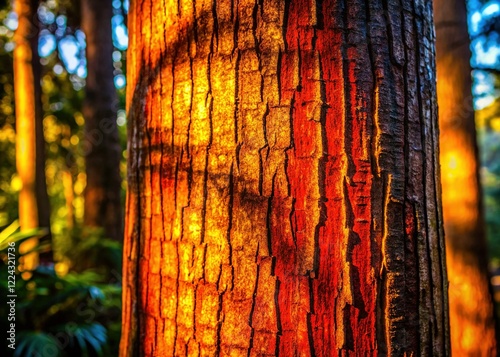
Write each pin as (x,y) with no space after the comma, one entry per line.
(102,149)
(34,208)
(284,193)
(471,303)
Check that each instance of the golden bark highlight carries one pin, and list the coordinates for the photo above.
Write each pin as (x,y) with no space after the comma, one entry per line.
(283,180)
(26,78)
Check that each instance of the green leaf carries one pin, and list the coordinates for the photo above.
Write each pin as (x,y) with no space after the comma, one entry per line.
(8,231)
(45,345)
(93,335)
(10,234)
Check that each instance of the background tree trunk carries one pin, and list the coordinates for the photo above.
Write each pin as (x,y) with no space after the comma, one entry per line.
(34,205)
(284,194)
(102,148)
(471,304)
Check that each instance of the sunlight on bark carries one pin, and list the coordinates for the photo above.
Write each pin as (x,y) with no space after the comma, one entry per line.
(281,199)
(25,129)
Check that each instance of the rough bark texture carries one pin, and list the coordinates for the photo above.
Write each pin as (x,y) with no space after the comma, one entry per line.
(34,209)
(102,148)
(284,194)
(471,304)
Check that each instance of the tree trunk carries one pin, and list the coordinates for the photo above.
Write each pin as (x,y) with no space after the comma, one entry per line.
(34,206)
(471,304)
(284,192)
(102,148)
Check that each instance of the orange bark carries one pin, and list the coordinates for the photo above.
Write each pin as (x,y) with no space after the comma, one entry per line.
(283,180)
(471,304)
(30,158)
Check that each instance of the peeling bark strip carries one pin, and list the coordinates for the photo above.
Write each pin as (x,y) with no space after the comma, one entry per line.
(284,191)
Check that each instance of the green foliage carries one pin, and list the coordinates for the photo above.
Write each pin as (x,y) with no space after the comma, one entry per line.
(85,340)
(491,186)
(62,315)
(11,235)
(488,125)
(8,192)
(92,249)
(43,343)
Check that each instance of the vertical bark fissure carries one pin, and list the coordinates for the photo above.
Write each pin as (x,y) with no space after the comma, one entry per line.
(291,146)
(344,332)
(423,253)
(410,342)
(321,176)
(413,285)
(252,308)
(205,172)
(376,232)
(310,334)
(431,186)
(428,187)
(263,149)
(379,187)
(441,262)
(236,51)
(147,243)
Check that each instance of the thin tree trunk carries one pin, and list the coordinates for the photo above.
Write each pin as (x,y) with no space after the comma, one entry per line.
(67,179)
(103,152)
(283,180)
(41,183)
(34,209)
(471,304)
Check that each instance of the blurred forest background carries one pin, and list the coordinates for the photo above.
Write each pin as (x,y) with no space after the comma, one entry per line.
(75,303)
